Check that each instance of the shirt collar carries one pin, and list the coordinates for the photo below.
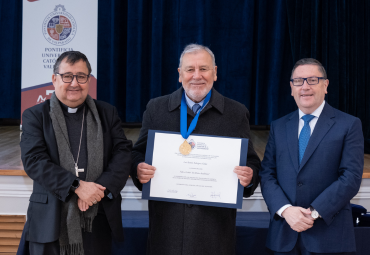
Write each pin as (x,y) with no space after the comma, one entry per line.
(315,113)
(191,103)
(65,108)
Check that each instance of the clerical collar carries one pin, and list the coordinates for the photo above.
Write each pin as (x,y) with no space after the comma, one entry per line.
(71,110)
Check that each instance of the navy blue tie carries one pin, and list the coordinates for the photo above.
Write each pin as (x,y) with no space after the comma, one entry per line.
(195,108)
(304,136)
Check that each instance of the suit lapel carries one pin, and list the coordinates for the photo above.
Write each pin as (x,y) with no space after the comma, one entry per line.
(216,101)
(323,125)
(292,137)
(190,112)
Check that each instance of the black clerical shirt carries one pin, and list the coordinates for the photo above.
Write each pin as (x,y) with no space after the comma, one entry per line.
(74,124)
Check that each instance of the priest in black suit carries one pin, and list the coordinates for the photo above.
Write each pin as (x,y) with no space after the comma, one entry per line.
(76,152)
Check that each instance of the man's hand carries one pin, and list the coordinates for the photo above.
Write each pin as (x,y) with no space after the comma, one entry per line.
(89,192)
(298,218)
(145,172)
(82,205)
(245,174)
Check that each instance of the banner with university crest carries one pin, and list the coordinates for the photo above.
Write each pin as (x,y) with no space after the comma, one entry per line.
(51,27)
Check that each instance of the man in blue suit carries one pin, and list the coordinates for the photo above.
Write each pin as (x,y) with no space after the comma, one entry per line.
(311,170)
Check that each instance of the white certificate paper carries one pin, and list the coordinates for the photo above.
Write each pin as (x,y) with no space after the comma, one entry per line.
(205,176)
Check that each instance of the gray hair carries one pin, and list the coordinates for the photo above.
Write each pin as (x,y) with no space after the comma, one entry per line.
(195,48)
(310,61)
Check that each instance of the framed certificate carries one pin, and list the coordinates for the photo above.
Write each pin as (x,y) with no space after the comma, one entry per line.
(203,177)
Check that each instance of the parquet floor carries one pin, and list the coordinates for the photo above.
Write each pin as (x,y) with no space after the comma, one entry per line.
(10,151)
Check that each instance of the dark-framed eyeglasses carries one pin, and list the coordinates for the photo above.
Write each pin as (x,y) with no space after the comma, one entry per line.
(309,80)
(68,77)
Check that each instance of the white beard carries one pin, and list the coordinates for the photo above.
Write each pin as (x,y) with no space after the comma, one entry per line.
(196,95)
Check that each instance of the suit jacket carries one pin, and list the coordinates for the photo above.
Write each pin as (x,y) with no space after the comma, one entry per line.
(177,228)
(51,184)
(328,177)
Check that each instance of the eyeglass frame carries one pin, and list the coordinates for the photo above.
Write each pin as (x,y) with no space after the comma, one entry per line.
(305,79)
(73,77)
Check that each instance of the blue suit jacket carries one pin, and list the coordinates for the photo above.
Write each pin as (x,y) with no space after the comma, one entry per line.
(328,177)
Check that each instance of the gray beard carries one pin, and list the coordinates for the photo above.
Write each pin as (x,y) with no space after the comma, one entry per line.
(196,97)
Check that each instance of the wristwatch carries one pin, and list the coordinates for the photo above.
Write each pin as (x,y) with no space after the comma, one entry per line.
(314,214)
(75,185)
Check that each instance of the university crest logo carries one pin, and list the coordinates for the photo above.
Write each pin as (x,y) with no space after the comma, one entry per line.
(59,27)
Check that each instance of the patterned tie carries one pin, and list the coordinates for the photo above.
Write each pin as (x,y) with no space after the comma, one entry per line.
(195,108)
(304,136)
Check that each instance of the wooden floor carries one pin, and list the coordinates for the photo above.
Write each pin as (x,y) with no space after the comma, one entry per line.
(10,152)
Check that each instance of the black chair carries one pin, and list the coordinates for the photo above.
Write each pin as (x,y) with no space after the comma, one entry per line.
(357,212)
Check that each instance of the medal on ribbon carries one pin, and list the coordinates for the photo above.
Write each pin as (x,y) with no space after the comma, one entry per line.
(185,147)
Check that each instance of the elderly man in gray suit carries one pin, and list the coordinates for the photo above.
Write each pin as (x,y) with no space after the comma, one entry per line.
(177,228)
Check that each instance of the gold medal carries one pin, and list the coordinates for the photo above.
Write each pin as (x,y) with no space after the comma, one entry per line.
(185,148)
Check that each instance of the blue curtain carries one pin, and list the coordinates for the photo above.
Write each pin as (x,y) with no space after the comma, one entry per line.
(256,43)
(337,33)
(143,41)
(10,59)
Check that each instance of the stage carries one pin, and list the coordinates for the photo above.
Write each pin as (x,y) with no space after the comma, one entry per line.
(16,188)
(10,151)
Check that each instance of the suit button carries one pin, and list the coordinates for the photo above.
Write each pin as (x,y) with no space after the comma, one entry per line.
(300,184)
(189,205)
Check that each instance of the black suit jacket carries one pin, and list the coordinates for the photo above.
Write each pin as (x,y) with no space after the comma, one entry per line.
(51,184)
(176,228)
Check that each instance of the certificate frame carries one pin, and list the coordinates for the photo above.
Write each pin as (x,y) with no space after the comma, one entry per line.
(149,160)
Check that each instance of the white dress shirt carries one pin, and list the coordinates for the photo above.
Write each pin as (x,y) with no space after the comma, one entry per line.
(312,123)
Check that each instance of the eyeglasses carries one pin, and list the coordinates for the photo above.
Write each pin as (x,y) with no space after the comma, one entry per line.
(68,77)
(309,80)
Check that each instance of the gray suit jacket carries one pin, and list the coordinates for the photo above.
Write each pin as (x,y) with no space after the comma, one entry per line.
(191,229)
